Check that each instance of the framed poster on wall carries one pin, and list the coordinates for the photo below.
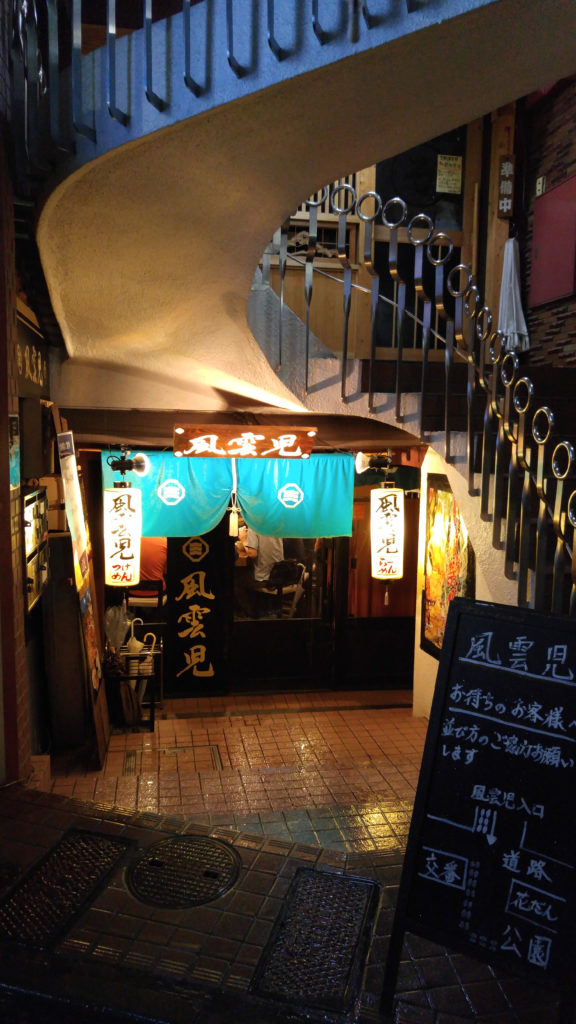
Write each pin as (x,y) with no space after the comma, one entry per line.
(448,562)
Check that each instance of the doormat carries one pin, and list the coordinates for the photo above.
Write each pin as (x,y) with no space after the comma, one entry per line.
(48,899)
(318,947)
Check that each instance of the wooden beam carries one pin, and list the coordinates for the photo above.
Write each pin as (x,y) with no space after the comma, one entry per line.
(498,230)
(472,186)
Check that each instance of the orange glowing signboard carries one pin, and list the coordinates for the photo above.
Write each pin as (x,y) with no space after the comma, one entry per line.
(387,533)
(122,534)
(233,442)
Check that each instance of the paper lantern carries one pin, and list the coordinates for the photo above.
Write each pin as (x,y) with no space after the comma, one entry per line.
(122,536)
(387,533)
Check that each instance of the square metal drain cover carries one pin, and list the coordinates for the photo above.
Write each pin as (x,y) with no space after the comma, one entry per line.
(318,947)
(46,901)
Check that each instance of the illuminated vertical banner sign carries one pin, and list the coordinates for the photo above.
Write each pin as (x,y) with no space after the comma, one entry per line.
(122,535)
(387,533)
(80,551)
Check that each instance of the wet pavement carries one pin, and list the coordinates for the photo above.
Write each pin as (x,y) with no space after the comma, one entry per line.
(320,784)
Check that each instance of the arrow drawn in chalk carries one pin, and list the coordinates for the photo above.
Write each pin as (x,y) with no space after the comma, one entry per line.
(490,832)
(484,823)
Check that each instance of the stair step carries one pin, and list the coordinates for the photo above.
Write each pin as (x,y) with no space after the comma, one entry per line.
(433,414)
(552,385)
(384,377)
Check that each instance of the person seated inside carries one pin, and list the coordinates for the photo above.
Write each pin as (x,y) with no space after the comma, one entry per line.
(262,553)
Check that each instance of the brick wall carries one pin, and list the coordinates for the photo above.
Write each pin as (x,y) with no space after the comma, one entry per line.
(14,675)
(552,152)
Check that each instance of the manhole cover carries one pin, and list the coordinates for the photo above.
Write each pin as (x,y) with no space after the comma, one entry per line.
(184,871)
(317,950)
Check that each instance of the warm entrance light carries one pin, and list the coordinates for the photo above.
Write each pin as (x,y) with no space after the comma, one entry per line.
(122,535)
(387,533)
(382,461)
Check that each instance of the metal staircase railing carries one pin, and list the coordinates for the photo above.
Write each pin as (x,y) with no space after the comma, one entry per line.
(520,452)
(517,461)
(71,104)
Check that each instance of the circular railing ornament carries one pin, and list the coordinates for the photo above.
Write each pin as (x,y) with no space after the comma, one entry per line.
(321,201)
(421,222)
(455,291)
(336,192)
(377,207)
(542,424)
(495,347)
(434,242)
(471,309)
(522,395)
(509,369)
(484,323)
(562,460)
(388,205)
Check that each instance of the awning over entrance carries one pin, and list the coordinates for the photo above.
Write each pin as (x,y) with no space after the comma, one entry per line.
(277,497)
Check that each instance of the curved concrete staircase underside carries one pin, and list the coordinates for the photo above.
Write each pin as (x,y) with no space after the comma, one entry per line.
(149,250)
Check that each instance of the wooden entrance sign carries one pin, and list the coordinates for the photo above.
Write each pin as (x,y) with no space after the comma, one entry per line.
(490,865)
(233,442)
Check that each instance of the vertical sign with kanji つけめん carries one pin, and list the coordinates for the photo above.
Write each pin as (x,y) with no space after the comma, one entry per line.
(122,535)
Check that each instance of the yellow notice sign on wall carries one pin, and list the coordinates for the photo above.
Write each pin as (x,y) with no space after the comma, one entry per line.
(449,174)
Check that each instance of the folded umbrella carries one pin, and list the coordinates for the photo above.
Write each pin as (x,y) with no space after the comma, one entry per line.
(511,320)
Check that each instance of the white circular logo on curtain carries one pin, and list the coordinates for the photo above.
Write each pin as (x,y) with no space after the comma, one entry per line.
(290,495)
(171,492)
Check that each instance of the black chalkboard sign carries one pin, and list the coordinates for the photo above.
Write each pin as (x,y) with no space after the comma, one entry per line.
(490,865)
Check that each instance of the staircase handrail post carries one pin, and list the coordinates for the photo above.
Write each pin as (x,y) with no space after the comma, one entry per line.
(400,285)
(542,432)
(369,265)
(344,258)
